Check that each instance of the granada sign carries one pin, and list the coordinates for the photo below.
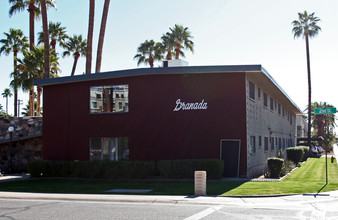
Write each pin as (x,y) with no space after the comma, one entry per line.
(190,105)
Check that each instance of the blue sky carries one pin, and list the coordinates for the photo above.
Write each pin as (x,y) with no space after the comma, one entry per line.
(226,32)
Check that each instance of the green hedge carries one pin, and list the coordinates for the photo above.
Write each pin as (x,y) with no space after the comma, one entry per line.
(177,169)
(275,166)
(182,169)
(307,153)
(92,169)
(295,154)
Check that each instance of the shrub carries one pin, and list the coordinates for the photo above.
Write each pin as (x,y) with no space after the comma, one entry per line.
(37,168)
(92,169)
(295,154)
(275,166)
(181,169)
(287,166)
(306,150)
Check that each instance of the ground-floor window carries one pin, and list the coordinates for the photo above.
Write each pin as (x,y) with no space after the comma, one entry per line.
(253,144)
(109,148)
(266,144)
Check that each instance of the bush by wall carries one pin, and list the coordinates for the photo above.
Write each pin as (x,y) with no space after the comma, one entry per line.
(307,153)
(92,169)
(295,154)
(181,169)
(275,165)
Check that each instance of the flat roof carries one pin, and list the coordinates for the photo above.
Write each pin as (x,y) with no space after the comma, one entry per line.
(163,71)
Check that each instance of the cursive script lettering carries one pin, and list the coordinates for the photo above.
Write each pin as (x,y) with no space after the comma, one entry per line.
(190,106)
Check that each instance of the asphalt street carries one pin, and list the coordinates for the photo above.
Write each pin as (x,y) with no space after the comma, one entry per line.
(84,206)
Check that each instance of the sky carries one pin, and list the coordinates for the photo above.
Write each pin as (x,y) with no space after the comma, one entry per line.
(226,32)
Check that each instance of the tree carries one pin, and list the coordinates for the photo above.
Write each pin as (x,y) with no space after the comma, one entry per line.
(7,93)
(32,67)
(57,34)
(101,37)
(168,45)
(148,52)
(90,37)
(306,26)
(15,42)
(34,12)
(181,36)
(77,46)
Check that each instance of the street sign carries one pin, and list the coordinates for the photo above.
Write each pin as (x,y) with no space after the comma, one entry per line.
(325,110)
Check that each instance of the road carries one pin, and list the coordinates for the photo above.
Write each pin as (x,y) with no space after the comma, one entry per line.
(70,206)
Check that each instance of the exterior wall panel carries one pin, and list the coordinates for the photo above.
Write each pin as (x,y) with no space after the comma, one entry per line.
(155,131)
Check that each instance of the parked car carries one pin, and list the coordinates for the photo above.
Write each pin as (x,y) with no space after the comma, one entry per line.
(320,149)
(314,150)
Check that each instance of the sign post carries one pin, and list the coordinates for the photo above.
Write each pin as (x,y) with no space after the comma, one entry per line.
(325,111)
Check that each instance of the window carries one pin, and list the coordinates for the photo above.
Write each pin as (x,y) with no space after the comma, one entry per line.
(94,104)
(109,99)
(260,141)
(251,90)
(271,103)
(283,111)
(272,143)
(291,116)
(253,144)
(109,148)
(265,99)
(279,110)
(259,93)
(266,143)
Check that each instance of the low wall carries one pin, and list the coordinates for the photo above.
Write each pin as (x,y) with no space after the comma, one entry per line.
(26,142)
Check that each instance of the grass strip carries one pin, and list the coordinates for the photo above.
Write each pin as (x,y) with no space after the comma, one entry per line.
(309,178)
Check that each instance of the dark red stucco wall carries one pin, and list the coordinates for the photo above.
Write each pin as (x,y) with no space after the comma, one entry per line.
(154,130)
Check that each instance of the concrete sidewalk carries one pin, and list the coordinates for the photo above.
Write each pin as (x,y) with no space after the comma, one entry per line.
(14,177)
(282,201)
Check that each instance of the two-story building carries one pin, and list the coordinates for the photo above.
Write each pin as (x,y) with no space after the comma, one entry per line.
(235,113)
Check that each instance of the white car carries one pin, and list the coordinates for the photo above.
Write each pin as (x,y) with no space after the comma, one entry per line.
(314,150)
(320,149)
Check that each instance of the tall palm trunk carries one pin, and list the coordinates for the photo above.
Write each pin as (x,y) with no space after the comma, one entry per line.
(309,86)
(15,84)
(177,51)
(45,37)
(31,10)
(101,38)
(39,91)
(76,57)
(7,104)
(151,61)
(31,101)
(90,37)
(169,55)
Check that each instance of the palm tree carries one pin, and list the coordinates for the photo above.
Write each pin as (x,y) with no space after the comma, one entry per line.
(7,93)
(181,36)
(57,34)
(317,121)
(90,37)
(15,42)
(32,67)
(306,26)
(34,12)
(77,46)
(168,45)
(148,52)
(101,37)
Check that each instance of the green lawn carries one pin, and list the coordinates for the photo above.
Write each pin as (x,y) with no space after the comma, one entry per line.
(310,178)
